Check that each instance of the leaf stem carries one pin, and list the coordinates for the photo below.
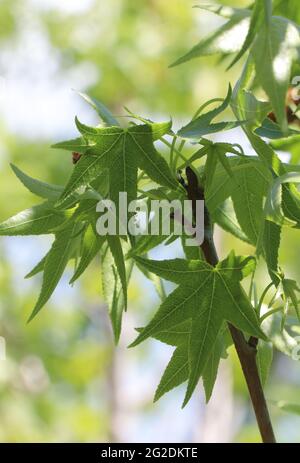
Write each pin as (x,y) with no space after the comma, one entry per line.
(246,350)
(174,150)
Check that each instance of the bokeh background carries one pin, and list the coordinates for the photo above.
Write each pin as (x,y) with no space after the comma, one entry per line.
(63,379)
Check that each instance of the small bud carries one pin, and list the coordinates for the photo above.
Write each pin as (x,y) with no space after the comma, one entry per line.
(75,157)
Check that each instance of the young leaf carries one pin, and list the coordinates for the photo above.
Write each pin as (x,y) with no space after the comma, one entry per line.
(201,125)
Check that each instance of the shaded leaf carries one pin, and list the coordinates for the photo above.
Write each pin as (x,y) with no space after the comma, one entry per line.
(228,38)
(55,264)
(274,51)
(92,243)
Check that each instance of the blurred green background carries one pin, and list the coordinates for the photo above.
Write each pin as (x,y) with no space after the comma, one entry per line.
(63,379)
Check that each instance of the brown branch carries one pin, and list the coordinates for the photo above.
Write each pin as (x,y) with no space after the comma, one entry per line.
(246,350)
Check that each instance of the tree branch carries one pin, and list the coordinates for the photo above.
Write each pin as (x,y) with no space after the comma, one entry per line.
(246,350)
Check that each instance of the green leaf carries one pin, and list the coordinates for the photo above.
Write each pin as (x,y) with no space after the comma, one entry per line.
(37,220)
(201,125)
(92,243)
(210,371)
(253,28)
(224,11)
(158,129)
(251,187)
(197,132)
(176,335)
(271,244)
(274,51)
(200,289)
(39,267)
(228,38)
(250,183)
(280,338)
(225,217)
(121,152)
(191,252)
(289,407)
(238,267)
(112,288)
(210,165)
(290,144)
(271,130)
(42,189)
(115,246)
(221,150)
(177,371)
(247,107)
(264,359)
(274,200)
(55,264)
(101,109)
(79,145)
(291,289)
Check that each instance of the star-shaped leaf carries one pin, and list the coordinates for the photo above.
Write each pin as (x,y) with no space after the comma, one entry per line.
(122,152)
(208,296)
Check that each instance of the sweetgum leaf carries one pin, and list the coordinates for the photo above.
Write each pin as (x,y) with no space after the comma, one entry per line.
(274,51)
(92,243)
(177,371)
(229,38)
(37,220)
(55,264)
(112,287)
(101,109)
(42,189)
(122,152)
(208,296)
